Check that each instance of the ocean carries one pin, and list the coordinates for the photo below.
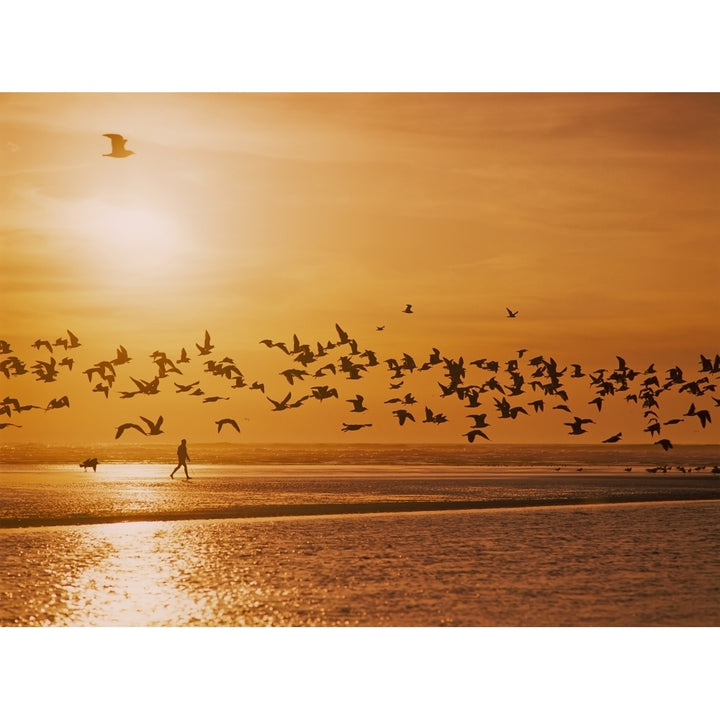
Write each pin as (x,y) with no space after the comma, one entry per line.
(361,536)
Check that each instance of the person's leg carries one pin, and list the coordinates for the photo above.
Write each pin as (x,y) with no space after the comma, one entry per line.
(175,470)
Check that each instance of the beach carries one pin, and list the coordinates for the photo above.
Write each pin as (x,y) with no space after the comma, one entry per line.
(385,541)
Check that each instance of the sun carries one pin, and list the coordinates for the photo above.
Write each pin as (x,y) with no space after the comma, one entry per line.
(135,240)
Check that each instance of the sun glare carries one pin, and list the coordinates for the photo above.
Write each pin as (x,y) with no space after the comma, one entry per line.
(134,240)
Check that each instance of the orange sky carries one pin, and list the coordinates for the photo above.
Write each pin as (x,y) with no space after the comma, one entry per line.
(259,216)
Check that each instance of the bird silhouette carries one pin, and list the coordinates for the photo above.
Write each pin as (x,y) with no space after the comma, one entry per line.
(206,347)
(403,415)
(118,146)
(127,426)
(349,427)
(472,434)
(357,403)
(408,309)
(613,438)
(479,420)
(511,313)
(664,443)
(577,425)
(154,427)
(226,421)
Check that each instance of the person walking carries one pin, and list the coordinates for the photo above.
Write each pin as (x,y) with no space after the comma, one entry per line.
(183,457)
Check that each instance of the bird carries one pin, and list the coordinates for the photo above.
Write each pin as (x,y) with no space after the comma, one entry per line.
(408,309)
(5,425)
(281,404)
(511,313)
(57,403)
(42,343)
(431,417)
(154,426)
(479,420)
(322,392)
(403,415)
(357,403)
(665,443)
(186,388)
(349,427)
(577,425)
(126,426)
(226,421)
(121,356)
(118,146)
(206,347)
(472,434)
(613,438)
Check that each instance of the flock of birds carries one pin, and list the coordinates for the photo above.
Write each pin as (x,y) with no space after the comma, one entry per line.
(320,371)
(322,366)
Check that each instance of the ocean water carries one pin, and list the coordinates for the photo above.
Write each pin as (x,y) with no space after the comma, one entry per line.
(362,536)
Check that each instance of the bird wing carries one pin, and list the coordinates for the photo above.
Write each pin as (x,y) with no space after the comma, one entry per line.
(227,421)
(118,141)
(127,426)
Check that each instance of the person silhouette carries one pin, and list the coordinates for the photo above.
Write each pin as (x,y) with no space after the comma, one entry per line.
(183,457)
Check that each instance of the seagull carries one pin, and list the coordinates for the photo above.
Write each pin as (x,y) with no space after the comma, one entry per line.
(577,425)
(403,415)
(613,438)
(206,347)
(479,420)
(666,444)
(347,427)
(511,313)
(408,309)
(118,146)
(227,421)
(154,426)
(357,403)
(126,426)
(472,434)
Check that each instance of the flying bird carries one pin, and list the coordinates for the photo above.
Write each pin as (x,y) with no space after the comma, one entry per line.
(118,146)
(511,313)
(227,421)
(206,347)
(126,426)
(472,434)
(357,403)
(408,309)
(577,425)
(349,427)
(153,426)
(614,438)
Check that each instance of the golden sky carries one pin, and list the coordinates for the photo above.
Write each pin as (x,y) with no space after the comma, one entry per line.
(258,216)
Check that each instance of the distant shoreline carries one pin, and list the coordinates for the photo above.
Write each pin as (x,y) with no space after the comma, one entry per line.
(365,453)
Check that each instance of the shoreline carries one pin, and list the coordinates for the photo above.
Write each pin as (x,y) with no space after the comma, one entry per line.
(339,509)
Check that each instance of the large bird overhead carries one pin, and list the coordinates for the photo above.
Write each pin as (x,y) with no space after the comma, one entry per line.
(118,146)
